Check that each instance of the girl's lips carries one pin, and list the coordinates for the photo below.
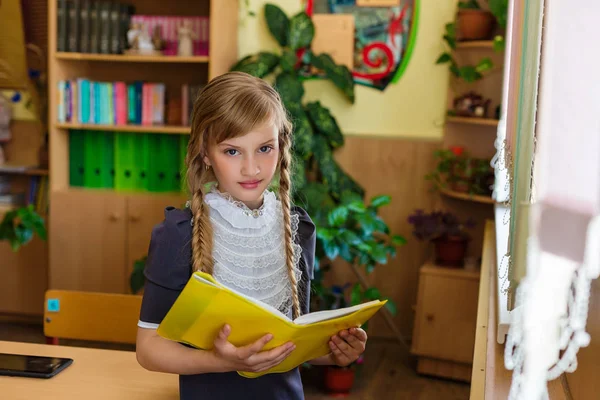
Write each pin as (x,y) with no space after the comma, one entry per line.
(250,184)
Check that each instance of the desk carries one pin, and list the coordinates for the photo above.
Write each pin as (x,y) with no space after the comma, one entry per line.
(94,374)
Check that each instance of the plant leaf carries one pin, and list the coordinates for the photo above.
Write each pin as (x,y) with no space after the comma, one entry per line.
(356,295)
(289,87)
(301,31)
(398,240)
(382,200)
(372,293)
(325,123)
(338,216)
(499,43)
(288,60)
(379,254)
(340,75)
(444,58)
(326,234)
(484,65)
(345,252)
(391,306)
(303,132)
(350,237)
(331,249)
(278,23)
(259,65)
(469,73)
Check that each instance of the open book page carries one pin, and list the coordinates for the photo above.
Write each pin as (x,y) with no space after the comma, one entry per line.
(259,303)
(319,316)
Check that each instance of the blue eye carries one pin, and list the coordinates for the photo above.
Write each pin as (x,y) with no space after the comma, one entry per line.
(231,152)
(266,149)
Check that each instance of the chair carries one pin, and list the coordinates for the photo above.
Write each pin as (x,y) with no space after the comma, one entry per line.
(102,317)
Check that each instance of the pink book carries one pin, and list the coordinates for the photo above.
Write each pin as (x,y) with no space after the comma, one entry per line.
(184,104)
(121,103)
(147,104)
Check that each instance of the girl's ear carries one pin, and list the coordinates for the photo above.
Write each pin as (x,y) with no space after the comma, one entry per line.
(206,160)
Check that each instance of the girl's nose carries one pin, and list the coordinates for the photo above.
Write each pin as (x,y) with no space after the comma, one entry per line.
(250,167)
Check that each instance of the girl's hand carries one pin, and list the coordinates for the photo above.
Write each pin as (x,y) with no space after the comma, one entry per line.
(347,346)
(249,358)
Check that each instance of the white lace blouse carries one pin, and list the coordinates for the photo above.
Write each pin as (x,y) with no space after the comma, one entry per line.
(249,249)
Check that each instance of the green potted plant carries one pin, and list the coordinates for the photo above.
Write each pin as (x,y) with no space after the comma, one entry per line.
(446,231)
(19,226)
(356,234)
(473,23)
(460,172)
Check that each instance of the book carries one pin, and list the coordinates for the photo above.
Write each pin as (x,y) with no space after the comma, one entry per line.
(205,305)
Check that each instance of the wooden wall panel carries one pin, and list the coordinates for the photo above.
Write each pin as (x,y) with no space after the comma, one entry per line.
(395,167)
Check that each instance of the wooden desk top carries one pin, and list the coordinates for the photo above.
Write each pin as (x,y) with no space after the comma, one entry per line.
(94,374)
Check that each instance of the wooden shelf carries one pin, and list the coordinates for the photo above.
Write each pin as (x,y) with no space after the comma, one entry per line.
(476,44)
(467,197)
(170,129)
(473,120)
(130,58)
(30,171)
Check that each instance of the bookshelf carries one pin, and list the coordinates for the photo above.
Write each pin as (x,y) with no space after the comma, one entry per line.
(475,134)
(131,58)
(97,233)
(175,130)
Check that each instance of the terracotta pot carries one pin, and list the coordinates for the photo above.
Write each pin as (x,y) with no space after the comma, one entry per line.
(339,381)
(475,24)
(460,186)
(450,251)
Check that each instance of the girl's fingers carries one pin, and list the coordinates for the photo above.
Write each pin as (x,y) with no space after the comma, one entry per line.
(341,344)
(359,333)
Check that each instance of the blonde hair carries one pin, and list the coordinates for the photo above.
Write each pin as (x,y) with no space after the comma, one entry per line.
(230,106)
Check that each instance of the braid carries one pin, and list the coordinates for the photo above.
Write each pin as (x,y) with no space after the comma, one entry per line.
(202,235)
(284,197)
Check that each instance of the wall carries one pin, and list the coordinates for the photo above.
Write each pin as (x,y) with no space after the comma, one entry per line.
(413,107)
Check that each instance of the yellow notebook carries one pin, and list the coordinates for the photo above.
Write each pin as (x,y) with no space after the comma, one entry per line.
(204,306)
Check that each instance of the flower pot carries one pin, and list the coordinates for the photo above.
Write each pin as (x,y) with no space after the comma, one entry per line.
(460,186)
(475,24)
(450,251)
(339,381)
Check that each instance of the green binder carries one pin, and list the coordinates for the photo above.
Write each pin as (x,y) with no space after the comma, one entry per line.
(76,158)
(99,159)
(183,144)
(164,165)
(131,161)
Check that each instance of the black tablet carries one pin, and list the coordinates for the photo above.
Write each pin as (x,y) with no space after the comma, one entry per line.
(32,366)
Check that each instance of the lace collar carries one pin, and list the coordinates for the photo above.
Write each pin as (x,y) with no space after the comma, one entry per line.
(238,214)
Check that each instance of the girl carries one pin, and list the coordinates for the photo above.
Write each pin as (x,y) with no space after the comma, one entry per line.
(238,231)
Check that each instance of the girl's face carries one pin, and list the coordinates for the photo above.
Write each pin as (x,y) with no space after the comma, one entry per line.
(244,166)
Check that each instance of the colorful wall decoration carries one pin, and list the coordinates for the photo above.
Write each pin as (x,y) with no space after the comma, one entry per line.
(384,36)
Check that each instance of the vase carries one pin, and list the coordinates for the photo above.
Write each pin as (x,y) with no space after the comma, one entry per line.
(339,381)
(450,251)
(475,24)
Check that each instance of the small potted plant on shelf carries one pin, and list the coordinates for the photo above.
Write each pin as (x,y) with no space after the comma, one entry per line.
(19,226)
(459,172)
(446,231)
(474,23)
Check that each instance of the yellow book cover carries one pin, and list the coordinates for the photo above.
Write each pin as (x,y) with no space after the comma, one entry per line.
(204,306)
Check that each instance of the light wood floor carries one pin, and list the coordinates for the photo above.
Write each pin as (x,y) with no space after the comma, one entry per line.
(387,374)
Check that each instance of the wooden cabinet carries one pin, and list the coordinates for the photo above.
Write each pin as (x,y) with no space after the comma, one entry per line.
(24,278)
(87,246)
(143,213)
(96,236)
(446,316)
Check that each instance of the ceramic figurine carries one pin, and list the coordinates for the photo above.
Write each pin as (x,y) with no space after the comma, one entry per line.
(185,35)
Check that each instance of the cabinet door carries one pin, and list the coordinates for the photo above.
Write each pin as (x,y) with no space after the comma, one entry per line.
(143,213)
(446,318)
(87,241)
(24,277)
